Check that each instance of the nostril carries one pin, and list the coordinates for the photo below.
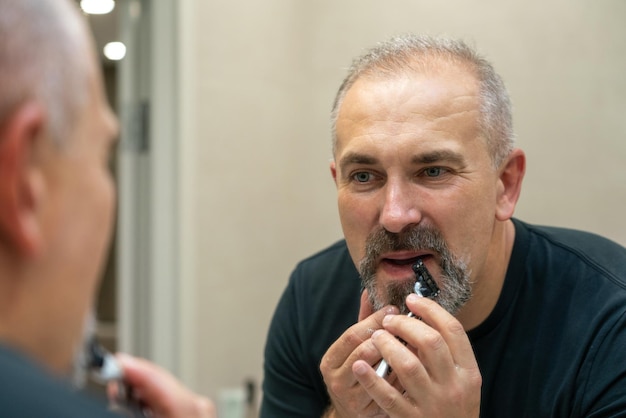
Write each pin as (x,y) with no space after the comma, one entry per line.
(396,217)
(398,226)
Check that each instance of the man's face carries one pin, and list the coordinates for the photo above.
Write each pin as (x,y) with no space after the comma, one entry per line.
(415,179)
(78,216)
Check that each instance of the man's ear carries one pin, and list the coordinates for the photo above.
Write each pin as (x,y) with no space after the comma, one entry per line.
(510,184)
(21,180)
(333,170)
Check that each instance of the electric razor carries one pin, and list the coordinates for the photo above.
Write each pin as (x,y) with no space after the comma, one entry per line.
(425,286)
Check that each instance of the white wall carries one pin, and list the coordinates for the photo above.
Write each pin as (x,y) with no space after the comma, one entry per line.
(259,91)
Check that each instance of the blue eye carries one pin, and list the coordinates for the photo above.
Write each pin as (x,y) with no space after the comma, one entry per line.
(362,177)
(433,171)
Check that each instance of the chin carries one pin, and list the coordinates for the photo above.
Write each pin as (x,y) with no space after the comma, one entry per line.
(393,293)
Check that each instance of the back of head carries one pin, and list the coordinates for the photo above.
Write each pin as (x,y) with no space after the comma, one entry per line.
(38,60)
(57,194)
(409,54)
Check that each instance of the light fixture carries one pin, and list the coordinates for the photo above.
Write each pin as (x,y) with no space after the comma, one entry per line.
(97,7)
(115,51)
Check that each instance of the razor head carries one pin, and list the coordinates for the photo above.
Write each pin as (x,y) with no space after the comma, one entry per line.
(102,364)
(96,354)
(424,283)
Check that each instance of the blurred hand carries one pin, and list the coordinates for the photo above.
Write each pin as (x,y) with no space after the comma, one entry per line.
(160,392)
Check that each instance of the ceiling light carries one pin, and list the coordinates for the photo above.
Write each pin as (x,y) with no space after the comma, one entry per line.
(115,51)
(97,7)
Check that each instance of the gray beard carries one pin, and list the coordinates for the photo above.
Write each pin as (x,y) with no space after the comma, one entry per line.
(454,283)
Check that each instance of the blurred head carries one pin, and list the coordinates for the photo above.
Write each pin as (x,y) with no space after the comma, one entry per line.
(39,45)
(424,166)
(56,132)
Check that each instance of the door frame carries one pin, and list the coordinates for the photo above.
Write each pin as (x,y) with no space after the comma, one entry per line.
(155,287)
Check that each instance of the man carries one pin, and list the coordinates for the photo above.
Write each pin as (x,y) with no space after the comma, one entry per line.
(56,211)
(530,321)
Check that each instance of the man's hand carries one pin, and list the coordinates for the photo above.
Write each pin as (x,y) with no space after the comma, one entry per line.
(348,397)
(161,392)
(434,375)
(437,367)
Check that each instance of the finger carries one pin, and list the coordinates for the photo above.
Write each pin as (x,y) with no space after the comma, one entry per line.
(161,392)
(435,359)
(354,336)
(342,386)
(405,364)
(139,373)
(448,326)
(366,309)
(113,390)
(384,395)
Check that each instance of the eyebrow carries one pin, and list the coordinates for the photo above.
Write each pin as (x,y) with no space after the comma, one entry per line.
(439,156)
(429,157)
(356,158)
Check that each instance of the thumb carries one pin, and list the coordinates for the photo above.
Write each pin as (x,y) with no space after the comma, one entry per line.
(366,308)
(161,392)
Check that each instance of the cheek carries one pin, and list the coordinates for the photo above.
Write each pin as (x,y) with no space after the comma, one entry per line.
(480,208)
(467,221)
(358,219)
(95,232)
(355,213)
(105,209)
(93,218)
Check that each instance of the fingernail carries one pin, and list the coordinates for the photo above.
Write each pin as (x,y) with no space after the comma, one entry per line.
(391,310)
(387,319)
(412,298)
(359,368)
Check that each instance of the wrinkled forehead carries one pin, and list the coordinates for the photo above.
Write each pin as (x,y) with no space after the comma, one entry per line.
(428,75)
(433,94)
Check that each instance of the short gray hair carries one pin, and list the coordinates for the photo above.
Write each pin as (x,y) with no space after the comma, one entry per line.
(411,53)
(40,59)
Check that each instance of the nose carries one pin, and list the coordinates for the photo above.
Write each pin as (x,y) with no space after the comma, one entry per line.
(400,208)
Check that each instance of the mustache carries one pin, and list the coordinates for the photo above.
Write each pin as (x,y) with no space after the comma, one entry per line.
(454,282)
(417,238)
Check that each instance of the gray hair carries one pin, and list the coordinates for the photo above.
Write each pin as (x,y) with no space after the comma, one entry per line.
(40,41)
(411,53)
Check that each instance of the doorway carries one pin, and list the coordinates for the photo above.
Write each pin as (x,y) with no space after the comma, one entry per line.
(139,303)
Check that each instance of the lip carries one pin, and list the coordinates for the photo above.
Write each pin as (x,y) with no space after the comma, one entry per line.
(399,265)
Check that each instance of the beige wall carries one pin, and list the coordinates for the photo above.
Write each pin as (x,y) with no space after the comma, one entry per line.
(261,84)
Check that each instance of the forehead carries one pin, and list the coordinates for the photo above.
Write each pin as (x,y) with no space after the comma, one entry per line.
(443,102)
(94,121)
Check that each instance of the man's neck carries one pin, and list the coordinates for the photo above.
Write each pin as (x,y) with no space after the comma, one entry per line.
(487,288)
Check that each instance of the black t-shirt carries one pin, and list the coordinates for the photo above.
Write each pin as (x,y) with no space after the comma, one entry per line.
(554,345)
(28,391)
